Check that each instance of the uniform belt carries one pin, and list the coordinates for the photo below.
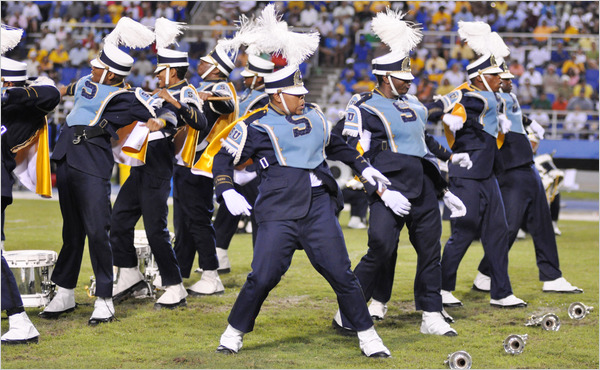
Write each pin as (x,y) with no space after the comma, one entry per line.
(157,135)
(88,132)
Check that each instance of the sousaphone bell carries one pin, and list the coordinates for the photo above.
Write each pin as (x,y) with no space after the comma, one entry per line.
(459,360)
(548,322)
(514,344)
(578,310)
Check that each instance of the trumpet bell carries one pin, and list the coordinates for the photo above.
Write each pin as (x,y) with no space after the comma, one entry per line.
(550,322)
(459,360)
(578,310)
(514,344)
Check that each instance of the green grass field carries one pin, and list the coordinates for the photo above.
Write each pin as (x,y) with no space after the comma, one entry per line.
(294,330)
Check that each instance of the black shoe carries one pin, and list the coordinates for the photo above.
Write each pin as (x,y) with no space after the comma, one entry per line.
(224,271)
(343,331)
(192,293)
(94,321)
(479,289)
(224,350)
(378,355)
(458,304)
(55,314)
(172,306)
(451,334)
(120,297)
(21,341)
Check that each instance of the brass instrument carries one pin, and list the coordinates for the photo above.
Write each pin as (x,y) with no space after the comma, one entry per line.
(459,360)
(514,344)
(548,322)
(578,310)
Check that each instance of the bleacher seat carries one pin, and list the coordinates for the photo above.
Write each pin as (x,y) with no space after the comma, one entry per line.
(591,77)
(551,97)
(68,75)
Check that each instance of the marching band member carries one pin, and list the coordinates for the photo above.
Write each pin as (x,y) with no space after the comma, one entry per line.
(524,196)
(103,103)
(146,190)
(391,127)
(296,204)
(472,123)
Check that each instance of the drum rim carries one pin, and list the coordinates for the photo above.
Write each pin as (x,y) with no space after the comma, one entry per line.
(24,258)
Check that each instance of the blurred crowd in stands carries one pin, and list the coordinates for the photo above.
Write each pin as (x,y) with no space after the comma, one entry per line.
(556,66)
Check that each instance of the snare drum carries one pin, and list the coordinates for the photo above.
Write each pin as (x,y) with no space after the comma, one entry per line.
(32,270)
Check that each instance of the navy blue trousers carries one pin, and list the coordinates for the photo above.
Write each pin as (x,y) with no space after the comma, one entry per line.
(526,205)
(11,298)
(320,235)
(144,194)
(226,224)
(192,217)
(424,225)
(485,218)
(85,206)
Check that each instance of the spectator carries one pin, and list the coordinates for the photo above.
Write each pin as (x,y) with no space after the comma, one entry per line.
(550,80)
(164,10)
(18,19)
(441,17)
(526,92)
(592,56)
(417,62)
(436,64)
(462,62)
(581,101)
(218,21)
(517,51)
(340,95)
(445,87)
(464,15)
(549,18)
(343,13)
(533,75)
(59,56)
(583,86)
(570,30)
(78,55)
(309,15)
(349,81)
(103,16)
(575,121)
(62,33)
(55,21)
(540,117)
(364,84)
(560,55)
(89,42)
(362,51)
(324,25)
(541,102)
(33,64)
(33,15)
(116,10)
(572,65)
(48,41)
(539,55)
(46,65)
(543,29)
(136,79)
(425,90)
(455,75)
(560,103)
(565,89)
(75,10)
(144,65)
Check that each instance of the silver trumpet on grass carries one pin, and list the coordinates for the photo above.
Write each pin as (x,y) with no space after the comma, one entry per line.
(578,310)
(459,360)
(548,322)
(514,344)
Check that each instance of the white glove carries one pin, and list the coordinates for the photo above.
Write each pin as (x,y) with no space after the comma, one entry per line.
(43,80)
(453,122)
(504,123)
(373,176)
(242,177)
(537,129)
(354,184)
(456,206)
(395,201)
(236,203)
(462,159)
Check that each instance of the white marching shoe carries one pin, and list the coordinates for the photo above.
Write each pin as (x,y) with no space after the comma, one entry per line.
(231,341)
(129,279)
(508,302)
(174,296)
(224,264)
(377,310)
(336,323)
(157,283)
(371,344)
(560,285)
(449,300)
(356,223)
(435,323)
(104,311)
(63,302)
(521,234)
(556,229)
(209,284)
(20,330)
(482,282)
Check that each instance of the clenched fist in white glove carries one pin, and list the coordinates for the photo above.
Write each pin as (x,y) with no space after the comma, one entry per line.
(242,177)
(504,123)
(537,129)
(236,203)
(455,205)
(43,81)
(373,176)
(395,201)
(462,159)
(453,122)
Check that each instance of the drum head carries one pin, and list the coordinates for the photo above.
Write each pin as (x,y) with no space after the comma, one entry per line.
(30,258)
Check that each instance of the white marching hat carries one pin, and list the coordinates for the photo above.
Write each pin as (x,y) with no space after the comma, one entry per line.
(505,74)
(13,70)
(114,60)
(287,80)
(393,64)
(258,67)
(218,57)
(486,64)
(171,59)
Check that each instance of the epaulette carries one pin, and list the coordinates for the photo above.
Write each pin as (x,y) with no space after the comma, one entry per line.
(256,115)
(313,106)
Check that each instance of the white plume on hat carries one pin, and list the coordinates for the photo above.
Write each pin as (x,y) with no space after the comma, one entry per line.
(130,33)
(401,36)
(167,31)
(9,37)
(276,38)
(248,33)
(482,40)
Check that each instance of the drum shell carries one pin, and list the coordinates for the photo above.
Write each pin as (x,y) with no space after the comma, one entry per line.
(32,270)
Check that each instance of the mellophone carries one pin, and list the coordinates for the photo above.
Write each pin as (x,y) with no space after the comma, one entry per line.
(32,270)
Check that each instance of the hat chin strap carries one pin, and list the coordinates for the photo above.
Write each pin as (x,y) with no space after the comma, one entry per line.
(487,86)
(104,73)
(253,82)
(167,77)
(285,108)
(208,72)
(392,85)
